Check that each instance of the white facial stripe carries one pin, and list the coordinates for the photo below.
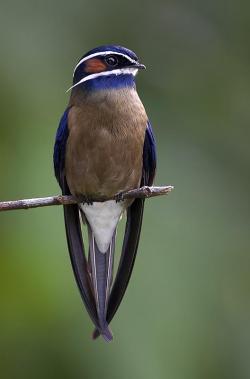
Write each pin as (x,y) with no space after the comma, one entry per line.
(103,53)
(120,71)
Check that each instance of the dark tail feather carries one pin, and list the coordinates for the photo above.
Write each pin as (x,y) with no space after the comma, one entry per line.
(129,250)
(77,256)
(101,277)
(78,259)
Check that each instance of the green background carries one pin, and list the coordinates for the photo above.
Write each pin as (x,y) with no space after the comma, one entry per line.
(186,313)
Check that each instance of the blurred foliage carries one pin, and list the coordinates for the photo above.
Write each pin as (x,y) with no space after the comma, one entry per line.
(187,310)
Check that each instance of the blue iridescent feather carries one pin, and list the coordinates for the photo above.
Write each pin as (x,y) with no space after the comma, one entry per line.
(110,82)
(149,157)
(60,147)
(115,48)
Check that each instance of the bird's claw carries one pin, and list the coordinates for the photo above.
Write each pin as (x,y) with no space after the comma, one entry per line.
(119,197)
(86,200)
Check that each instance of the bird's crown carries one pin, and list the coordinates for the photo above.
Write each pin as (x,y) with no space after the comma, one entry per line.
(108,66)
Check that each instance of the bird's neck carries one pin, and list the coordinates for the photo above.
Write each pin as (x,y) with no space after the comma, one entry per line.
(111,81)
(113,108)
(105,98)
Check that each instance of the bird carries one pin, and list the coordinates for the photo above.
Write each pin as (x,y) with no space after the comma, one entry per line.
(104,146)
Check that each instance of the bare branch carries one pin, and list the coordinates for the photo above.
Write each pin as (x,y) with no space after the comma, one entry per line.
(143,192)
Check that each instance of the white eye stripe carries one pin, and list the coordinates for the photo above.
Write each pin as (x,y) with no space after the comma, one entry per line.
(104,53)
(122,71)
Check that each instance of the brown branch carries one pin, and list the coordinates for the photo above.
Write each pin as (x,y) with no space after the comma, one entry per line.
(143,192)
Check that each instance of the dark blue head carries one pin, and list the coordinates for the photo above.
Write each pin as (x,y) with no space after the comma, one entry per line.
(104,67)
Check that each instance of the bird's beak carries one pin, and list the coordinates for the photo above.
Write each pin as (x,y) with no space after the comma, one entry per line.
(139,66)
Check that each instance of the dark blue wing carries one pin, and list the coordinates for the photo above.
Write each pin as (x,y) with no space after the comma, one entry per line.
(60,147)
(149,157)
(72,224)
(133,229)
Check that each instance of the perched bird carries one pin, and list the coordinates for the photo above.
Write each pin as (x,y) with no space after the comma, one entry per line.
(104,146)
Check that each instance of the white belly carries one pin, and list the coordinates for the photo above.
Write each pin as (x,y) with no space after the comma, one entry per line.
(103,219)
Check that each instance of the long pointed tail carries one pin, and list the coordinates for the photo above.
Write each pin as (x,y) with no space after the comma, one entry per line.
(129,250)
(101,277)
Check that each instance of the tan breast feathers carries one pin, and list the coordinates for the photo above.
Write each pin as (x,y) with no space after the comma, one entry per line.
(105,144)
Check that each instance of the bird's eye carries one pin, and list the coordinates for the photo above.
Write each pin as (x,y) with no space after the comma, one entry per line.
(111,60)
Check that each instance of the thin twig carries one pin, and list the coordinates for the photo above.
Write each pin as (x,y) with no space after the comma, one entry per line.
(143,192)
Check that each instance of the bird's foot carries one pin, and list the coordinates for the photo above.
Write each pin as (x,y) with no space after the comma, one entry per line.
(119,197)
(85,200)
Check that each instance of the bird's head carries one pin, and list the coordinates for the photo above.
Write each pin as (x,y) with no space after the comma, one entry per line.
(106,67)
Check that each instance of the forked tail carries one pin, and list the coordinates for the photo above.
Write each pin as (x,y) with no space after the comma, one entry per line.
(101,271)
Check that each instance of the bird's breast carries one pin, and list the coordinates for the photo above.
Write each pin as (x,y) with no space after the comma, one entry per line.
(104,150)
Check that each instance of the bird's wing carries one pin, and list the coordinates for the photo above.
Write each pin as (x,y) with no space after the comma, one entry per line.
(72,224)
(60,147)
(133,227)
(149,157)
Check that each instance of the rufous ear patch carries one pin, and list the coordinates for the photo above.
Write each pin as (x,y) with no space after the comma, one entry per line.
(94,65)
